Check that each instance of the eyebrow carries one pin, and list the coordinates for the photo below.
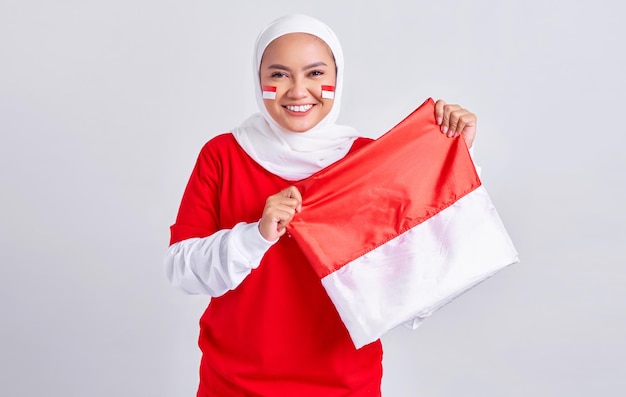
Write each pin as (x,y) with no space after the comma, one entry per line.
(288,69)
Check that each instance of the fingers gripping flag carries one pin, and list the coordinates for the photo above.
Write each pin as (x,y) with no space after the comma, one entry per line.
(400,228)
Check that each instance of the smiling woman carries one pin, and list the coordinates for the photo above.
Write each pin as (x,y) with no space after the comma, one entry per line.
(271,329)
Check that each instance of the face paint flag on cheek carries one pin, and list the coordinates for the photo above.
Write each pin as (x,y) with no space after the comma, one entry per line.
(269,92)
(328,92)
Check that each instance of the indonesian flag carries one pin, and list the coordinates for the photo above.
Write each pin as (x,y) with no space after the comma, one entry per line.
(328,92)
(400,228)
(269,92)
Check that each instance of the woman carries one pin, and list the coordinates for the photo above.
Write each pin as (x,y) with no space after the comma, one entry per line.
(270,329)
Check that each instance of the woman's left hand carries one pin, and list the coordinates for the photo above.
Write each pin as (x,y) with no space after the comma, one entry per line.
(455,120)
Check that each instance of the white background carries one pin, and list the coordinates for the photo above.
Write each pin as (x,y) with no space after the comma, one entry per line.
(104,105)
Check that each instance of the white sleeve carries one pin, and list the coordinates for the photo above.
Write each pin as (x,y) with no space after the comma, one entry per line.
(218,263)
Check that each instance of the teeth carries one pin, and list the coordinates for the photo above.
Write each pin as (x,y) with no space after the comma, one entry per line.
(301,108)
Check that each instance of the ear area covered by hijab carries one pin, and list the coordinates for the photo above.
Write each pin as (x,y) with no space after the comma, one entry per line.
(295,155)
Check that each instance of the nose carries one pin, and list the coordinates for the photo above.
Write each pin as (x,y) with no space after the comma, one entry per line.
(298,89)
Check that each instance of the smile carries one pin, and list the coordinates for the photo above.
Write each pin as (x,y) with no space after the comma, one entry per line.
(299,109)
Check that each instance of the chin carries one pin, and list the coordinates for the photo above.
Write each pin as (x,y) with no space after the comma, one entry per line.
(299,128)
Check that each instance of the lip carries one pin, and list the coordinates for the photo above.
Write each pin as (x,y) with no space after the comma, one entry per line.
(291,112)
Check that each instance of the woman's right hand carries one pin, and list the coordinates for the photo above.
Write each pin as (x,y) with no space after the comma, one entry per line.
(278,212)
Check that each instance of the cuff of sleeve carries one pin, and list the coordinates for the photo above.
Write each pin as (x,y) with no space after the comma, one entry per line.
(248,241)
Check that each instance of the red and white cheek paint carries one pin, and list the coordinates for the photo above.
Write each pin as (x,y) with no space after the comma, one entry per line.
(269,92)
(328,92)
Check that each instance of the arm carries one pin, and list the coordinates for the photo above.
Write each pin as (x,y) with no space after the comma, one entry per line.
(218,263)
(206,258)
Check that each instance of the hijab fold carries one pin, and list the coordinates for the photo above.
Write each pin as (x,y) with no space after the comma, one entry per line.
(295,155)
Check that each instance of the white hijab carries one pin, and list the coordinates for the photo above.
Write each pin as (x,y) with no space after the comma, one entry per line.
(295,155)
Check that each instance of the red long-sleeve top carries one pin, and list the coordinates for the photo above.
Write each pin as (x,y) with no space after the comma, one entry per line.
(277,333)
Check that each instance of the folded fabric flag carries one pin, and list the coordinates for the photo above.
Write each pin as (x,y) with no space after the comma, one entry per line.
(400,228)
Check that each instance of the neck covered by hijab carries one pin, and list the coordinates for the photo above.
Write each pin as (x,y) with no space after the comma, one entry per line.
(295,155)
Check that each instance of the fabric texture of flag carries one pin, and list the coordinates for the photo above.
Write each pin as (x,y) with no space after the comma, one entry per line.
(400,228)
(269,92)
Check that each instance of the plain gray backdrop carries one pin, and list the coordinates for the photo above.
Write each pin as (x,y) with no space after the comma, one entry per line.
(104,106)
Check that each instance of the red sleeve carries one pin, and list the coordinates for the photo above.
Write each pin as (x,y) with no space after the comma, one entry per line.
(199,207)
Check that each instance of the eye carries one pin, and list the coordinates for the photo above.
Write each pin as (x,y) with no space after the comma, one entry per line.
(278,74)
(316,73)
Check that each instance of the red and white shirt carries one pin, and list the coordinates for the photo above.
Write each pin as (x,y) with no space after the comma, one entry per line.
(270,329)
